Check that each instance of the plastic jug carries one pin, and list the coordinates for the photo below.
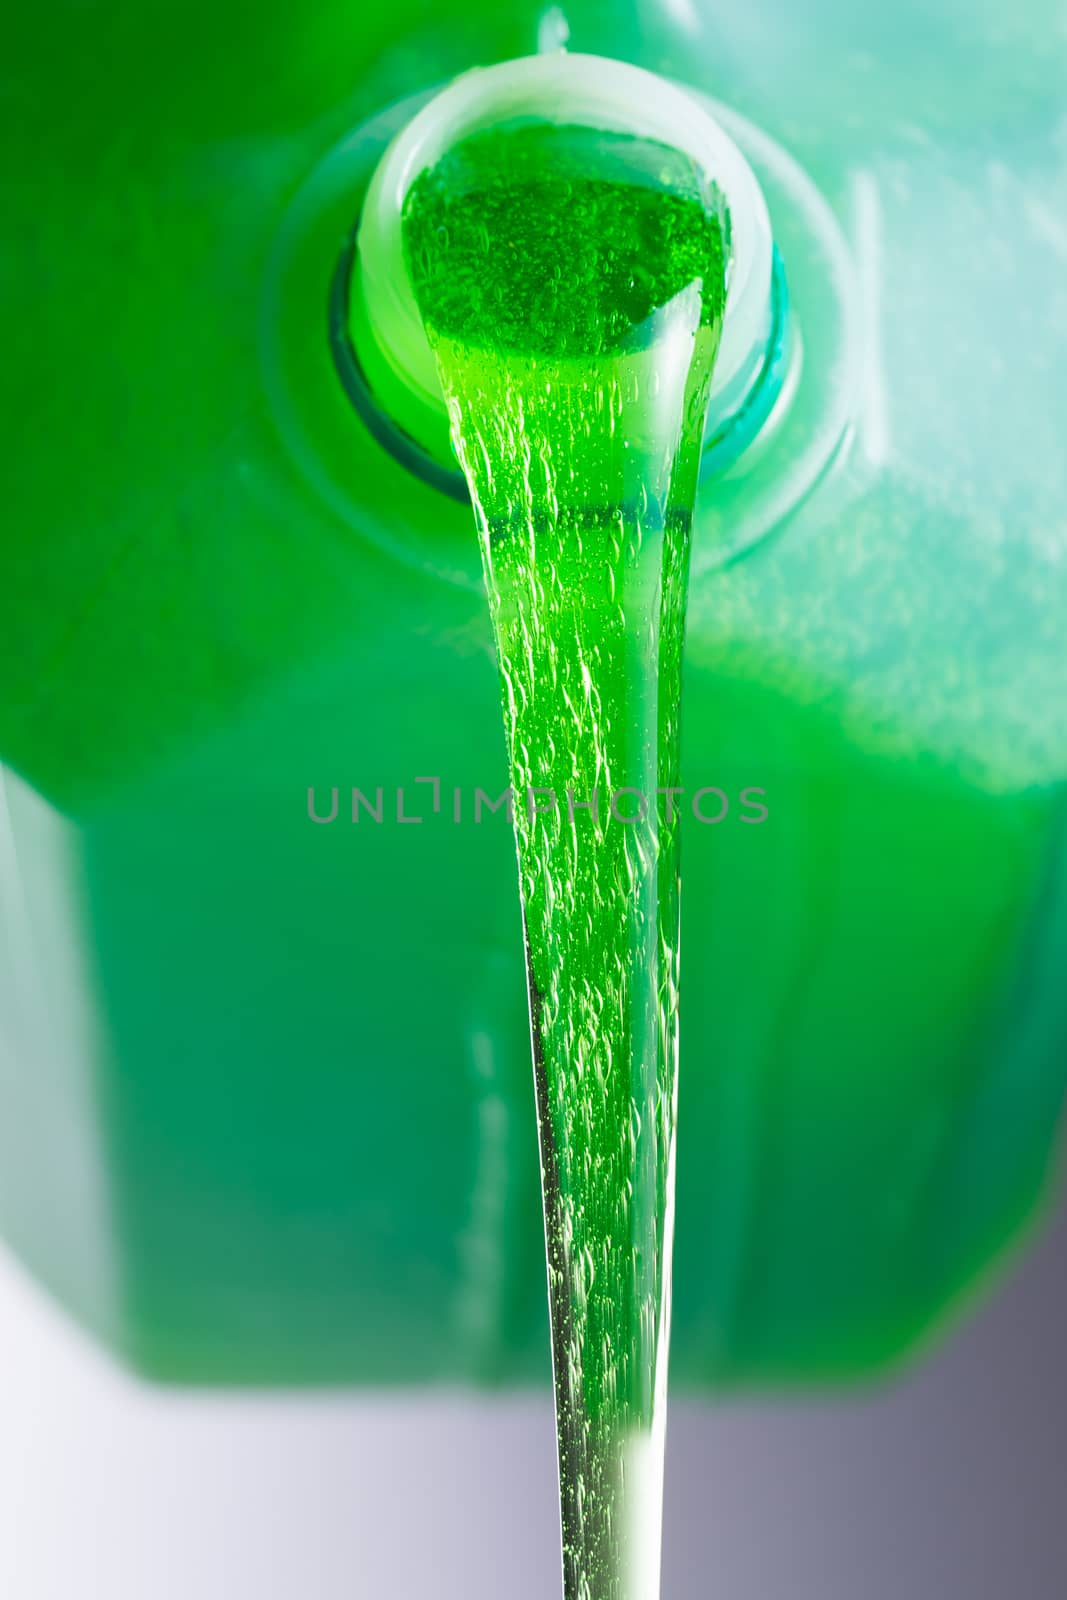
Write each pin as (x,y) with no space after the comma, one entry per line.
(265,1111)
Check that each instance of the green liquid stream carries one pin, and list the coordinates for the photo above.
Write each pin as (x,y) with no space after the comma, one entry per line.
(572,284)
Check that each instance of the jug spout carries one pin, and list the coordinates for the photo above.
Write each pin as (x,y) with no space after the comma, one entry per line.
(381,333)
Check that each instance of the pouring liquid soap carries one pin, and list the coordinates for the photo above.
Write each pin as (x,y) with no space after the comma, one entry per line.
(572,284)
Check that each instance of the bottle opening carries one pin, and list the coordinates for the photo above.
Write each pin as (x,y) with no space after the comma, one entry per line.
(380,347)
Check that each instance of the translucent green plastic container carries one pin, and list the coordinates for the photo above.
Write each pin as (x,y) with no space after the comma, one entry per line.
(265,1109)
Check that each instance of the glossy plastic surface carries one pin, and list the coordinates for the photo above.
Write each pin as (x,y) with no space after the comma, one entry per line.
(265,1113)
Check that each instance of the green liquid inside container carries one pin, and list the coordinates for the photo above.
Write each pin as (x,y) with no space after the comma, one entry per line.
(572,284)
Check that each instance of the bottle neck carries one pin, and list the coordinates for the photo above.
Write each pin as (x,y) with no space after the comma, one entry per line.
(381,347)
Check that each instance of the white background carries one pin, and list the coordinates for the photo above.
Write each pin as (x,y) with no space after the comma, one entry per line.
(951,1485)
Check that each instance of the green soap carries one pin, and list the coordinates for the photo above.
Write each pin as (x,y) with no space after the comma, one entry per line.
(572,284)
